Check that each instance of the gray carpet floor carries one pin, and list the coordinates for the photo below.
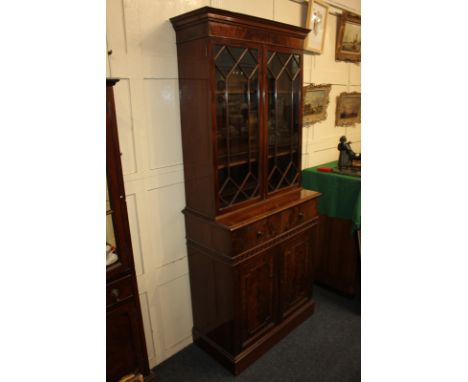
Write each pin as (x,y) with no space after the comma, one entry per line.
(325,348)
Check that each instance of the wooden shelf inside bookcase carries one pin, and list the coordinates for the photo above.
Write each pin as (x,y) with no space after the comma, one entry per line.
(240,162)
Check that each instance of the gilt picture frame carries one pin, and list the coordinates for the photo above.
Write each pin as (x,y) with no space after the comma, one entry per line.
(317,17)
(316,100)
(348,38)
(348,109)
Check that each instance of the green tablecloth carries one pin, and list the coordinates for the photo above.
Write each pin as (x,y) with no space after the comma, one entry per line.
(341,194)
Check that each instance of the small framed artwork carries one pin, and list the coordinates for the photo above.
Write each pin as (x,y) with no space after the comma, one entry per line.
(317,14)
(316,99)
(348,109)
(348,38)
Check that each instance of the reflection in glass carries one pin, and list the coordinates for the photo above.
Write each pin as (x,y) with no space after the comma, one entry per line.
(111,255)
(237,119)
(284,87)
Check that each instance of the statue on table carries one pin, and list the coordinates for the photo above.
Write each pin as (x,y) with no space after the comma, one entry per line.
(347,155)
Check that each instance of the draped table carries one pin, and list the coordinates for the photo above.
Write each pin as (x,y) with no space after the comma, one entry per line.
(340,218)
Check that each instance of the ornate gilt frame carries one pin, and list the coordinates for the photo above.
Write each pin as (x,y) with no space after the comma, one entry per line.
(341,100)
(341,52)
(310,24)
(308,116)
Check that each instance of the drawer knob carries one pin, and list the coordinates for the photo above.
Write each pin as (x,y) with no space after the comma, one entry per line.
(259,234)
(115,294)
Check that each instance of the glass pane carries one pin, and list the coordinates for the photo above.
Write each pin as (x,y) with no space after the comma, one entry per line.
(284,92)
(275,66)
(111,255)
(237,118)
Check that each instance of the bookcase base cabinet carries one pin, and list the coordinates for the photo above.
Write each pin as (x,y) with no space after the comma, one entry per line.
(243,303)
(236,364)
(125,351)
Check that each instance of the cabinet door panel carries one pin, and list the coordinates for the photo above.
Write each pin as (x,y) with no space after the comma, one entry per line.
(123,342)
(237,91)
(118,243)
(257,297)
(284,82)
(296,264)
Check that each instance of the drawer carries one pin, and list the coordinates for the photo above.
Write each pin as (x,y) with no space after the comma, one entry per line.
(256,233)
(297,215)
(118,291)
(272,226)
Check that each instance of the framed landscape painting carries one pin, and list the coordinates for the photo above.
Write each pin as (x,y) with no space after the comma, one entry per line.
(316,99)
(317,15)
(348,109)
(348,38)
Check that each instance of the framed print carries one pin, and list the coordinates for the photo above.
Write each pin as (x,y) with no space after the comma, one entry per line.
(316,99)
(348,109)
(317,14)
(348,38)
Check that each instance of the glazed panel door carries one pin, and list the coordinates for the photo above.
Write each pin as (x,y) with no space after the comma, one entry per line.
(118,247)
(284,98)
(237,74)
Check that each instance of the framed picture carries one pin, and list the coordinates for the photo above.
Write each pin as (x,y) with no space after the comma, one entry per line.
(317,15)
(348,109)
(316,99)
(348,38)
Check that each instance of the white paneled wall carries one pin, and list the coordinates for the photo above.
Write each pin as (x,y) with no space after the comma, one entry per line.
(162,108)
(144,57)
